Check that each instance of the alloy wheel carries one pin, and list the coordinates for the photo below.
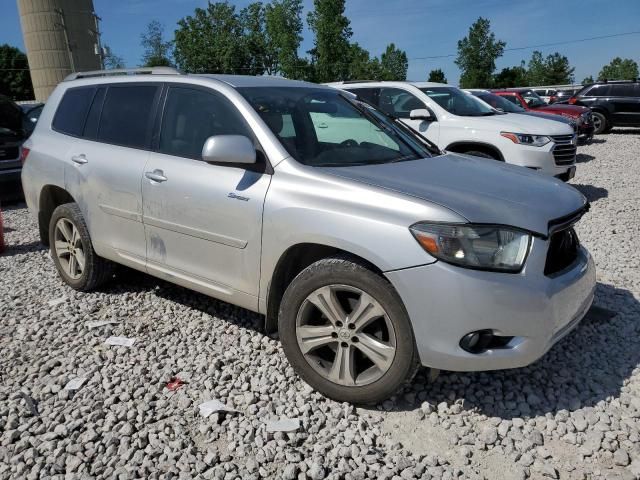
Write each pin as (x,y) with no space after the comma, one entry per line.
(69,249)
(345,335)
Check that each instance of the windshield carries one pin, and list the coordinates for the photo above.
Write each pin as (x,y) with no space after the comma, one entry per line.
(457,102)
(533,99)
(321,128)
(496,101)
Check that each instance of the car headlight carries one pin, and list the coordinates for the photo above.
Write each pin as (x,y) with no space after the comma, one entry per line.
(483,247)
(527,139)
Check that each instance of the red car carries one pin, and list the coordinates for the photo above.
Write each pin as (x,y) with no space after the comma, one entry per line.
(531,101)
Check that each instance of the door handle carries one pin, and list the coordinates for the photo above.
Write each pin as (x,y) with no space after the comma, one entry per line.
(156,176)
(79,159)
(323,125)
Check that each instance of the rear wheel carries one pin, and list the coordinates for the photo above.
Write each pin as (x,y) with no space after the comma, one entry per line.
(345,331)
(72,251)
(600,123)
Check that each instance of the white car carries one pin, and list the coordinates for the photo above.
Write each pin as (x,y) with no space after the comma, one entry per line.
(458,122)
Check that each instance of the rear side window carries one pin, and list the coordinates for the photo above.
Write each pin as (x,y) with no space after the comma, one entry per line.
(599,91)
(93,117)
(72,111)
(191,116)
(127,115)
(623,90)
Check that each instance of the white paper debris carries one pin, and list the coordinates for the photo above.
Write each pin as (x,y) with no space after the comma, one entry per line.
(283,425)
(213,406)
(57,301)
(100,323)
(120,341)
(75,384)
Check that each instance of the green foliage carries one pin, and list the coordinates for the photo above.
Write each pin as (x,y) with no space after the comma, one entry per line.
(619,69)
(111,60)
(437,75)
(252,19)
(15,79)
(283,27)
(157,52)
(394,64)
(587,80)
(331,49)
(553,70)
(477,55)
(211,41)
(511,77)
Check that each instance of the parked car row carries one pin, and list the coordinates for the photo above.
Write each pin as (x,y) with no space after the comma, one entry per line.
(459,122)
(359,229)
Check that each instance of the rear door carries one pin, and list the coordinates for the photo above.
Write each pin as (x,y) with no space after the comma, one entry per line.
(106,163)
(625,100)
(203,222)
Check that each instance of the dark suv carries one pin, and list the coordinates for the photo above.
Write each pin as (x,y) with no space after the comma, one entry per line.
(614,104)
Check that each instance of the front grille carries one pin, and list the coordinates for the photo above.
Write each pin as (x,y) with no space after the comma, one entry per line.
(563,251)
(564,151)
(8,153)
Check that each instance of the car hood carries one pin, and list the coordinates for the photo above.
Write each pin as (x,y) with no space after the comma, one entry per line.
(480,190)
(549,116)
(573,110)
(516,123)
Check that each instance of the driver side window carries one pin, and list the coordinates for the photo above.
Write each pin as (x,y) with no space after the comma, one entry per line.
(514,99)
(398,103)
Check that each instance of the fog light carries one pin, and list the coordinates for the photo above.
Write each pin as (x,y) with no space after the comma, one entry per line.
(476,342)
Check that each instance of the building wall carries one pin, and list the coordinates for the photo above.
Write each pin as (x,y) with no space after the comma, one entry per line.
(60,38)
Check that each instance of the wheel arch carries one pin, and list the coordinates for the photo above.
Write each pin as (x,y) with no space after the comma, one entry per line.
(465,146)
(51,196)
(294,260)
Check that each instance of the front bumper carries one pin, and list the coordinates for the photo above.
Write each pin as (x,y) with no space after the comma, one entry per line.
(585,133)
(445,303)
(540,159)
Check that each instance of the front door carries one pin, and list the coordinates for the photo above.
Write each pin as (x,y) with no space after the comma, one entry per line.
(625,99)
(203,222)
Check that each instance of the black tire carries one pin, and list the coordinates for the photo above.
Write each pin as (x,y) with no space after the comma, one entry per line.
(96,269)
(601,123)
(477,153)
(346,271)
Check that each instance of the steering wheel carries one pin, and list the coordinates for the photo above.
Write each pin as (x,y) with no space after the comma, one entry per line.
(350,143)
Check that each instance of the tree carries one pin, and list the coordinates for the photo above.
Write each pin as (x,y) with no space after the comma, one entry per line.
(511,77)
(558,70)
(211,41)
(157,52)
(283,26)
(437,75)
(553,70)
(619,69)
(111,60)
(255,39)
(477,55)
(587,80)
(331,50)
(15,80)
(536,72)
(394,64)
(361,65)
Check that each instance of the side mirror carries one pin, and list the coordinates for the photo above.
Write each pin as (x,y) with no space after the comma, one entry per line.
(228,149)
(421,114)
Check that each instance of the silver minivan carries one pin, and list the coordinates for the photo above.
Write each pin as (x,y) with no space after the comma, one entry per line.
(370,251)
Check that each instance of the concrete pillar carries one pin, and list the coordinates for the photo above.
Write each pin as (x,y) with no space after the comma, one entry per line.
(60,37)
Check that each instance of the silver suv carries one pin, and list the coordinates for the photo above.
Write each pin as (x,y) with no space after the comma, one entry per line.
(366,248)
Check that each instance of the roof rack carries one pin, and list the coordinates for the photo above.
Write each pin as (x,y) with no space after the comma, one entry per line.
(346,82)
(124,71)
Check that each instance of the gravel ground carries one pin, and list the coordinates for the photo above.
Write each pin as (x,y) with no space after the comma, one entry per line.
(575,414)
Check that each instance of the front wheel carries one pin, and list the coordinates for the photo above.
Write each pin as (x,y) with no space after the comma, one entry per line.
(345,331)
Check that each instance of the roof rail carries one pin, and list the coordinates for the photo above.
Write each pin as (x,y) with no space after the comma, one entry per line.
(125,71)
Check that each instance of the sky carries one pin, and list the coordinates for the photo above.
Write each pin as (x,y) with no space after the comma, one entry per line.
(420,27)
